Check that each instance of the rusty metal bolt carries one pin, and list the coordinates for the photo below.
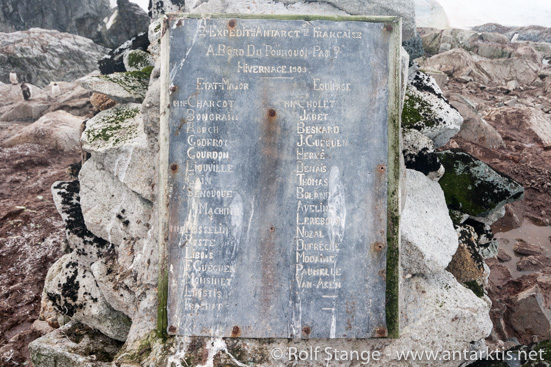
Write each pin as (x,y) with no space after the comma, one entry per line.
(272,112)
(174,167)
(381,332)
(306,330)
(231,23)
(388,27)
(172,329)
(381,168)
(236,331)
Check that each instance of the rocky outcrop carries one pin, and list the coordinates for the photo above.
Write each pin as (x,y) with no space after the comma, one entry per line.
(41,56)
(429,13)
(530,33)
(130,86)
(56,130)
(83,18)
(124,22)
(466,177)
(425,251)
(428,111)
(419,155)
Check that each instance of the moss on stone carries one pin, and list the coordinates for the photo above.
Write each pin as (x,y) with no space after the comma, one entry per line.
(138,59)
(134,82)
(476,288)
(110,126)
(417,113)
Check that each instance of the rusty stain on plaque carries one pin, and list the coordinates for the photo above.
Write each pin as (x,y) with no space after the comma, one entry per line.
(277,221)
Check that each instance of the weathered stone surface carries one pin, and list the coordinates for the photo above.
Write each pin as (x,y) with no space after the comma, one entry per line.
(534,263)
(475,129)
(73,16)
(56,130)
(136,60)
(75,293)
(429,13)
(74,345)
(529,33)
(122,214)
(525,117)
(101,101)
(127,87)
(425,251)
(25,111)
(524,248)
(85,244)
(499,274)
(466,178)
(114,61)
(427,111)
(503,256)
(118,142)
(418,151)
(124,21)
(467,264)
(41,56)
(530,315)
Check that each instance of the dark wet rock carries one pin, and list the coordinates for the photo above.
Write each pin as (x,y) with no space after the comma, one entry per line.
(524,248)
(414,47)
(473,187)
(487,244)
(418,151)
(114,61)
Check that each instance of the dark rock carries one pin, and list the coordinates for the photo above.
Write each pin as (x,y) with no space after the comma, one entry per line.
(125,21)
(534,263)
(486,245)
(80,17)
(524,248)
(114,61)
(424,161)
(473,187)
(414,47)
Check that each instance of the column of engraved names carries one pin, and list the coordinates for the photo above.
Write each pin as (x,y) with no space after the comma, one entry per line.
(207,155)
(319,138)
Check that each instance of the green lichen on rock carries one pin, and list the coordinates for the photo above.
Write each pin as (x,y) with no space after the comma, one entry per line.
(138,59)
(473,187)
(477,289)
(109,126)
(417,113)
(133,82)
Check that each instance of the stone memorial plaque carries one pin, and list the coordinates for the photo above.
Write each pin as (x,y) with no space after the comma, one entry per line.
(280,172)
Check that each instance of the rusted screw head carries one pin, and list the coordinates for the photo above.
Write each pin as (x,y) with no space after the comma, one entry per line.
(381,168)
(388,27)
(306,330)
(174,167)
(236,331)
(272,112)
(172,329)
(231,23)
(172,88)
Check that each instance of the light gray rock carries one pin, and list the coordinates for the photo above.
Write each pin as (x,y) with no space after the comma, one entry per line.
(81,17)
(114,285)
(127,87)
(429,13)
(56,130)
(74,345)
(428,237)
(427,111)
(74,292)
(117,140)
(111,210)
(40,56)
(123,22)
(25,111)
(136,60)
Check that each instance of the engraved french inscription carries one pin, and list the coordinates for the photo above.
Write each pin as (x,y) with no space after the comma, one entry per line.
(277,128)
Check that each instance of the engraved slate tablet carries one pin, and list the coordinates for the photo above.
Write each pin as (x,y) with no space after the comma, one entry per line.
(278,176)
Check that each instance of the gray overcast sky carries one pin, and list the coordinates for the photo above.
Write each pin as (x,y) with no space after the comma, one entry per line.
(468,13)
